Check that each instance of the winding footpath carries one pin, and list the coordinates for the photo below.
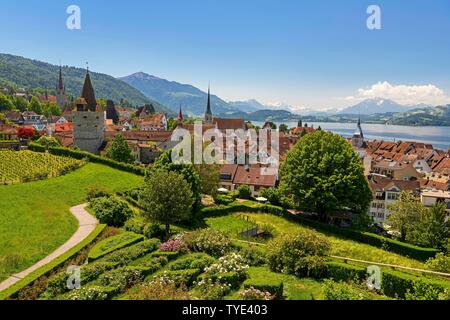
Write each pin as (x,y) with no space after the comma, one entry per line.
(87,224)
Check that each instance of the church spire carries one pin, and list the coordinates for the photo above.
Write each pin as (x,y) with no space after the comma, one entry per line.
(60,85)
(180,116)
(88,92)
(208,114)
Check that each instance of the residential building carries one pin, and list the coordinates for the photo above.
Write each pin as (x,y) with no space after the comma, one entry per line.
(429,198)
(385,193)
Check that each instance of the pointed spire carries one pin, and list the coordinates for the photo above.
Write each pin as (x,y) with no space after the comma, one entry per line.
(180,115)
(60,80)
(208,107)
(88,92)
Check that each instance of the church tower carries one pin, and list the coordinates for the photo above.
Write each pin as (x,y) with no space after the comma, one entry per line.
(61,98)
(88,120)
(208,115)
(358,136)
(180,117)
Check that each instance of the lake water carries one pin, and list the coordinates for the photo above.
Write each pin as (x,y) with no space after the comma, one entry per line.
(439,137)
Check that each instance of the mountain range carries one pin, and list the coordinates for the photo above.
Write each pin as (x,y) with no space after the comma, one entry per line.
(21,72)
(379,105)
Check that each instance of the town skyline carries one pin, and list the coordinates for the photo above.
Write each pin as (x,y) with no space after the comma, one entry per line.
(303,56)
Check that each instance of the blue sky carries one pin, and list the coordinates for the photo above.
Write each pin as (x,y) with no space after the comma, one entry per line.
(315,54)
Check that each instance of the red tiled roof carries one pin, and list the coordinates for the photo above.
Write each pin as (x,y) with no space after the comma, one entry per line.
(253,176)
(231,124)
(65,127)
(157,136)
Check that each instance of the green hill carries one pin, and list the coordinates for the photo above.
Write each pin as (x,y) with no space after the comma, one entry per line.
(32,74)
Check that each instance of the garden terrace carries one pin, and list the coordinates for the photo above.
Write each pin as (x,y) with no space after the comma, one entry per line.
(35,217)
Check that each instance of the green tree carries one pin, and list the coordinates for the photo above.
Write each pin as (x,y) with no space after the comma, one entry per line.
(209,177)
(186,170)
(50,109)
(322,173)
(5,103)
(405,213)
(35,105)
(172,124)
(21,104)
(432,228)
(166,198)
(244,192)
(120,151)
(48,142)
(283,128)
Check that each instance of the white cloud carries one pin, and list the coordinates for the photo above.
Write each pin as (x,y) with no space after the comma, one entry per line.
(403,94)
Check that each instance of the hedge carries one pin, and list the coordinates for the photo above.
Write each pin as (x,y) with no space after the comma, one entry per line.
(231,278)
(64,152)
(274,287)
(126,255)
(57,284)
(167,254)
(13,291)
(395,246)
(186,277)
(394,283)
(113,243)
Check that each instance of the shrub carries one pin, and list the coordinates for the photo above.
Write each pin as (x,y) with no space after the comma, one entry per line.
(57,284)
(153,230)
(253,257)
(273,195)
(342,291)
(154,263)
(168,255)
(229,263)
(136,225)
(212,290)
(126,255)
(96,192)
(397,284)
(114,243)
(121,278)
(244,192)
(224,199)
(182,277)
(110,211)
(302,254)
(422,291)
(233,279)
(210,241)
(339,271)
(192,261)
(274,287)
(256,294)
(174,246)
(160,288)
(91,293)
(441,263)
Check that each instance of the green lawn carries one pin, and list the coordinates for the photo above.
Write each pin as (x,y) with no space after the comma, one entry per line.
(232,224)
(341,247)
(35,217)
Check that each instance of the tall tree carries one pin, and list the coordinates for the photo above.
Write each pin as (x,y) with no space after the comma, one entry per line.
(35,105)
(432,228)
(21,104)
(322,173)
(283,128)
(405,213)
(166,198)
(5,103)
(120,151)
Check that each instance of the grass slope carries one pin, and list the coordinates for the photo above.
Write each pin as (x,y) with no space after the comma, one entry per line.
(35,217)
(341,247)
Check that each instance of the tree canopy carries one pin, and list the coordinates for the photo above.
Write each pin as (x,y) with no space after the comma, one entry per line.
(322,173)
(167,198)
(120,151)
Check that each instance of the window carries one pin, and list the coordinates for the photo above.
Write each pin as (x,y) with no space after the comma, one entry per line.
(392,196)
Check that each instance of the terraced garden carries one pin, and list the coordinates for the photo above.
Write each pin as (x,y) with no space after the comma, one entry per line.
(35,217)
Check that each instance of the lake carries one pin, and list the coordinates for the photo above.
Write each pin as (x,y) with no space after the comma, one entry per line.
(439,137)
